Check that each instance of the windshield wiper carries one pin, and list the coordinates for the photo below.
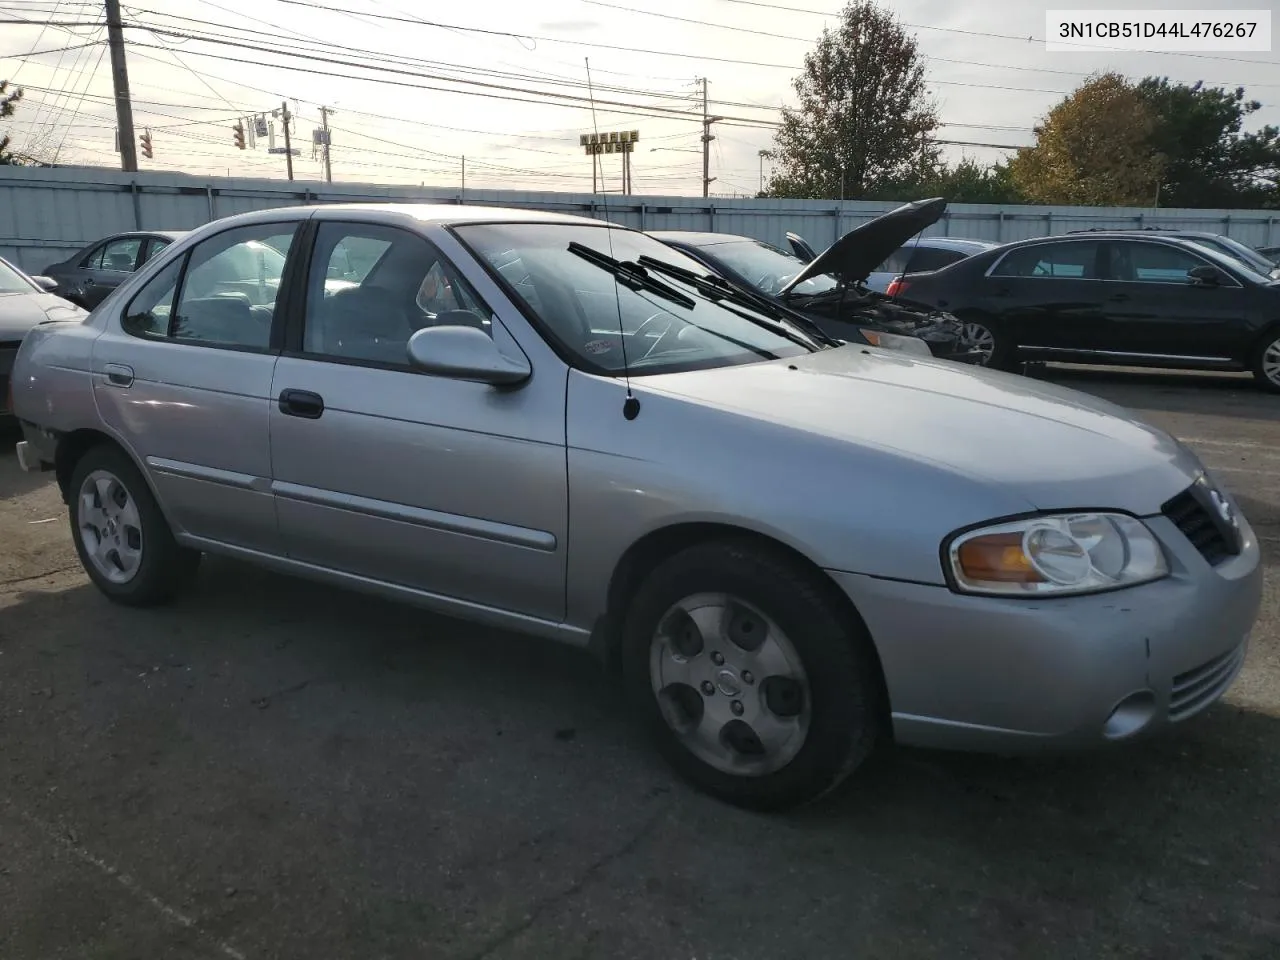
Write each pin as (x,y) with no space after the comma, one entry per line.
(718,288)
(631,275)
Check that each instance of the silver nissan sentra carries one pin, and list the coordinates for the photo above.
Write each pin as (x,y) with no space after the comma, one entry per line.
(790,547)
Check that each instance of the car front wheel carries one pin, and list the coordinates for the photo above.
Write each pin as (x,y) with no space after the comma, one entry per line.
(755,684)
(1266,366)
(121,536)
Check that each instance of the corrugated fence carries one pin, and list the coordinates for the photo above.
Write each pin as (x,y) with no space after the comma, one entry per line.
(46,214)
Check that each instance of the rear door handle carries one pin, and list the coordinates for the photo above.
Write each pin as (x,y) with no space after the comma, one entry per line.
(118,374)
(301,403)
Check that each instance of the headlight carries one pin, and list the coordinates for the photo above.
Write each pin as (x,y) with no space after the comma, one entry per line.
(893,341)
(1055,555)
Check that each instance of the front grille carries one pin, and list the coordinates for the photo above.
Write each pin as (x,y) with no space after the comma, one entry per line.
(1196,689)
(1193,512)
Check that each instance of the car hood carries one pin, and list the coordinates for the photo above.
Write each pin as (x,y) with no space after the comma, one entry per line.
(1055,448)
(862,249)
(19,312)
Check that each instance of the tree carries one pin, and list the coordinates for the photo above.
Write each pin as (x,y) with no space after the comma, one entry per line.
(1210,163)
(864,118)
(8,103)
(1095,148)
(966,182)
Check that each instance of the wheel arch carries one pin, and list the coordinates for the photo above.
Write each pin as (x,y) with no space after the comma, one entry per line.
(665,542)
(74,444)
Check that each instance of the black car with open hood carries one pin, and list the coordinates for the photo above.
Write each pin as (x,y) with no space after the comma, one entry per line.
(830,287)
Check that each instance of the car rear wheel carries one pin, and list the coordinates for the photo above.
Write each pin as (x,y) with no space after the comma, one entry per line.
(986,338)
(756,687)
(122,538)
(1266,366)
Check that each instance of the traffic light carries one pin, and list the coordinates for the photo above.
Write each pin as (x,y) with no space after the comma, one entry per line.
(146,144)
(239,132)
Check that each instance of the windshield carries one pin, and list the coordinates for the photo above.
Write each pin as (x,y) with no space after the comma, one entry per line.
(11,281)
(1237,251)
(1245,266)
(766,267)
(578,301)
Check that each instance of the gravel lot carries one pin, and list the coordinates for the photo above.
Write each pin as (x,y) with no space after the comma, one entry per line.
(272,769)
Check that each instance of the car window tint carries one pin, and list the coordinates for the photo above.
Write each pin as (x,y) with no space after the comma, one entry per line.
(120,256)
(1153,263)
(896,262)
(149,311)
(1075,260)
(230,286)
(932,258)
(408,285)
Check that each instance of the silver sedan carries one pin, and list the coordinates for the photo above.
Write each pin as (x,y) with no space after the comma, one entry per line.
(791,550)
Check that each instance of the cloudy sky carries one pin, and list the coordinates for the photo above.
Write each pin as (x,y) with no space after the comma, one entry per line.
(412,98)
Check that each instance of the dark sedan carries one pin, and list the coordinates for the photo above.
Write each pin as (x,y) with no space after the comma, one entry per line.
(1112,298)
(91,273)
(831,288)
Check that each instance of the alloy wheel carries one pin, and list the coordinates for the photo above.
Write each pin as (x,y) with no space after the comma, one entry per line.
(109,526)
(975,336)
(730,684)
(1271,362)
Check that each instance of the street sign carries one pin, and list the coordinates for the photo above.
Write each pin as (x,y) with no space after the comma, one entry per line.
(295,151)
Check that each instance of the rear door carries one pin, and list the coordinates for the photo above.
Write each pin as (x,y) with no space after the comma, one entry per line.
(184,379)
(1049,295)
(1154,308)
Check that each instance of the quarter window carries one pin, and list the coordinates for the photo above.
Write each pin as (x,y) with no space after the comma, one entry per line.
(371,287)
(1076,260)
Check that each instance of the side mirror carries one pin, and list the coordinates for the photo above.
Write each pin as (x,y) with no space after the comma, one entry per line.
(465,353)
(1205,276)
(47,284)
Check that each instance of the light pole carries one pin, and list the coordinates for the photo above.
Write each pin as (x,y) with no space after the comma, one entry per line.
(763,154)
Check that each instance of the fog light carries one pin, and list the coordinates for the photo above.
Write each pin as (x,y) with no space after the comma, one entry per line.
(1130,715)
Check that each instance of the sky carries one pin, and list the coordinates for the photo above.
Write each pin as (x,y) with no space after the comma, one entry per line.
(410,121)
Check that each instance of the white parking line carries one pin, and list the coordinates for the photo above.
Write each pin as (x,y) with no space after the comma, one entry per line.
(1266,448)
(1250,470)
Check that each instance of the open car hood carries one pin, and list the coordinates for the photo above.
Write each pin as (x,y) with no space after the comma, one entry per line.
(852,258)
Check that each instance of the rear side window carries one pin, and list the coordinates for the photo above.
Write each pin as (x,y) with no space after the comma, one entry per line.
(896,262)
(932,258)
(1077,260)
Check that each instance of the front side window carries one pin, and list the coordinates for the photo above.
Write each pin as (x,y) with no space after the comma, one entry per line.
(154,246)
(120,256)
(225,287)
(579,305)
(372,287)
(1076,260)
(1153,263)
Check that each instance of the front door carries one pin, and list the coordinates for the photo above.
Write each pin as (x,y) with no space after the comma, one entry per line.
(1154,308)
(187,387)
(109,266)
(451,487)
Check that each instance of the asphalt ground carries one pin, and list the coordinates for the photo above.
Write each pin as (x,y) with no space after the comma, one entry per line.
(271,769)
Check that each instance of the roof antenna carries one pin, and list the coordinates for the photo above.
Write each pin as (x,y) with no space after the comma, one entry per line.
(630,406)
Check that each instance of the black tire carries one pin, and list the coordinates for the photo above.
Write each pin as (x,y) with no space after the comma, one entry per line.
(1003,352)
(1268,352)
(845,697)
(165,567)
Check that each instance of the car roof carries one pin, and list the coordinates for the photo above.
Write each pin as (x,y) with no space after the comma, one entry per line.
(451,213)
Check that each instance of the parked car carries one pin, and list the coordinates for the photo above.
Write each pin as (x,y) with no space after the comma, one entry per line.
(1124,298)
(87,276)
(25,301)
(830,288)
(1271,253)
(790,550)
(1217,242)
(916,256)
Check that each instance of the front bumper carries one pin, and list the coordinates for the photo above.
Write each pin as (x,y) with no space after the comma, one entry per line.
(1025,676)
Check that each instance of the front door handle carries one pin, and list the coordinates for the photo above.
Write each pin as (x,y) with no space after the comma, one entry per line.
(301,403)
(118,375)
(88,281)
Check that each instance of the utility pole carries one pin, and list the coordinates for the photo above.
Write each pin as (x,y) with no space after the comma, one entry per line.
(464,178)
(324,122)
(707,121)
(285,117)
(120,80)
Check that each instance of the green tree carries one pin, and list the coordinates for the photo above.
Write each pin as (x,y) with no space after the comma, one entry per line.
(966,182)
(1209,161)
(864,118)
(1095,148)
(8,103)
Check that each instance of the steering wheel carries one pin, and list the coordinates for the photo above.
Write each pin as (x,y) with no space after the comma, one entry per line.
(662,336)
